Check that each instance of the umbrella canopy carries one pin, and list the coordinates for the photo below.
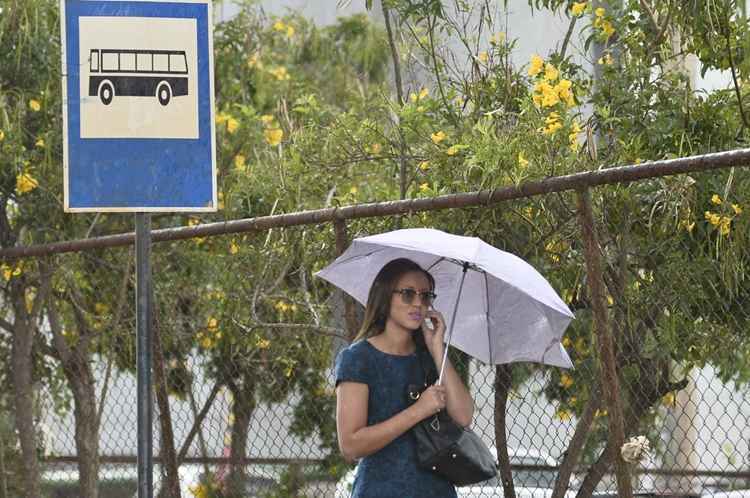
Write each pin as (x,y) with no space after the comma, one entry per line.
(507,311)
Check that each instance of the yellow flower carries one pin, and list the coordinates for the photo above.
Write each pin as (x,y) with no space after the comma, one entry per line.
(25,183)
(553,124)
(715,199)
(266,119)
(199,491)
(553,117)
(537,99)
(483,57)
(423,93)
(600,413)
(737,209)
(566,381)
(239,162)
(234,248)
(424,187)
(375,148)
(549,95)
(207,343)
(452,150)
(724,225)
(563,415)
(438,137)
(712,218)
(273,136)
(563,88)
(252,61)
(263,343)
(232,125)
(212,324)
(280,73)
(424,165)
(353,190)
(7,272)
(567,342)
(608,29)
(193,221)
(497,38)
(289,31)
(2,135)
(222,117)
(550,72)
(537,63)
(279,26)
(34,105)
(522,161)
(687,225)
(599,12)
(668,399)
(606,60)
(578,8)
(40,143)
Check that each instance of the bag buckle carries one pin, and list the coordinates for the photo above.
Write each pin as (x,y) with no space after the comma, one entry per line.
(414,395)
(435,424)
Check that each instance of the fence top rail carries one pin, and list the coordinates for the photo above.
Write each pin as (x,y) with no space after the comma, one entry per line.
(575,181)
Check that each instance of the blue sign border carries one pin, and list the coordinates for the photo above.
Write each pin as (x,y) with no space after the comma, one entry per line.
(123,174)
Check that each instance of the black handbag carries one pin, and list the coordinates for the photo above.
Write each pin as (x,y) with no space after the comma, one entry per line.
(444,447)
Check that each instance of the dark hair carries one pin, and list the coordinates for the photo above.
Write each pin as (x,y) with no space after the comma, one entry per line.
(379,299)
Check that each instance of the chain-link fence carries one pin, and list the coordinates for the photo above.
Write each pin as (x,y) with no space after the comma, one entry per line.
(245,339)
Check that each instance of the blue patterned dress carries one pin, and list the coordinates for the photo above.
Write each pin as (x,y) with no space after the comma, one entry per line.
(391,472)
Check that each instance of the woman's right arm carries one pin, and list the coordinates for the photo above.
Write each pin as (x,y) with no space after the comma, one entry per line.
(357,439)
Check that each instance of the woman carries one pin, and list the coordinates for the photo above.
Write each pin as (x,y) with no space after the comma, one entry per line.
(373,416)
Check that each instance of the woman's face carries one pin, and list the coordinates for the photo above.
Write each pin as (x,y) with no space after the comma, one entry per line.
(409,315)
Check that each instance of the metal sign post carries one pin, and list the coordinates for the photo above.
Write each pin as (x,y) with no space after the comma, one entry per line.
(139,135)
(143,354)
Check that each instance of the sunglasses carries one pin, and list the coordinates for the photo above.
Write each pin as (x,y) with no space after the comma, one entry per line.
(408,295)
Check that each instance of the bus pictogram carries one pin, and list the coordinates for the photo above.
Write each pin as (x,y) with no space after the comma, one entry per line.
(138,73)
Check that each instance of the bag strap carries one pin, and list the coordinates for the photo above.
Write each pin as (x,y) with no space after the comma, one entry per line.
(423,371)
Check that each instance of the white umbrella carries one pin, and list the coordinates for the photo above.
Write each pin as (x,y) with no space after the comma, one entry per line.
(500,308)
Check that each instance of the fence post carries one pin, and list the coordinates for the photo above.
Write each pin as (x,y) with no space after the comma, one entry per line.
(143,355)
(350,313)
(607,362)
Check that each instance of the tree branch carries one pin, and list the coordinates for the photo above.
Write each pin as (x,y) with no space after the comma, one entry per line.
(297,327)
(394,55)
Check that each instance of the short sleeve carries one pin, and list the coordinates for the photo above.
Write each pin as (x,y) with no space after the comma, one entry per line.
(351,366)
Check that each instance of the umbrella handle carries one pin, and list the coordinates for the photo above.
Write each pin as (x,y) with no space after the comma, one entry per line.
(452,323)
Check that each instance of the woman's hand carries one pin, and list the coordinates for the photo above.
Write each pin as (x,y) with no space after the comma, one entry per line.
(434,336)
(431,401)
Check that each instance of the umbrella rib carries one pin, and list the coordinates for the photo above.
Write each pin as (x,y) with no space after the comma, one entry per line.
(487,317)
(360,256)
(433,265)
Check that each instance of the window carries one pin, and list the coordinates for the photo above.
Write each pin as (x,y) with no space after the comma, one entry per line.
(127,62)
(177,63)
(144,62)
(161,62)
(94,61)
(110,61)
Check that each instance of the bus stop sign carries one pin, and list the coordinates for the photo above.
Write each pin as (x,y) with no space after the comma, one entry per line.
(138,105)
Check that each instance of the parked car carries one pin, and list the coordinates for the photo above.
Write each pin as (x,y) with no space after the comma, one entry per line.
(737,493)
(528,483)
